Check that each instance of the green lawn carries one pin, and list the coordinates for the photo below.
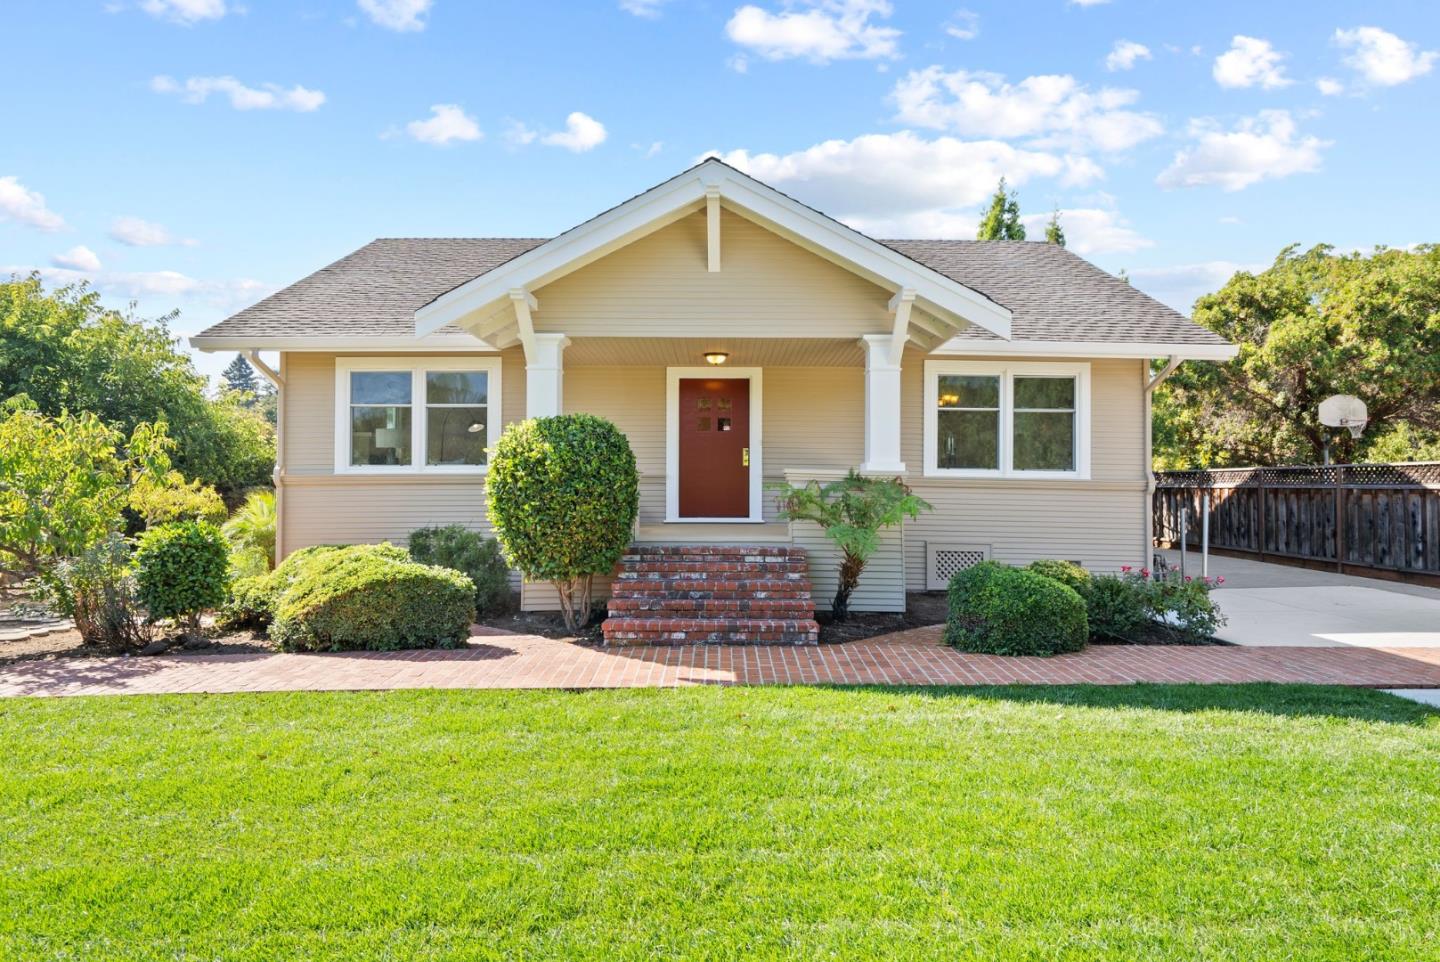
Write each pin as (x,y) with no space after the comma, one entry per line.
(1150,822)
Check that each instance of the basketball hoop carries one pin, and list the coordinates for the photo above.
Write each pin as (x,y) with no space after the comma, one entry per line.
(1343,411)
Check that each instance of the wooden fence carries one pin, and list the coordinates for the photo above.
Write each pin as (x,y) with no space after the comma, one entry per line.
(1381,520)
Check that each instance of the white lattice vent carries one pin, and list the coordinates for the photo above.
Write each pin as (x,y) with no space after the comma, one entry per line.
(944,561)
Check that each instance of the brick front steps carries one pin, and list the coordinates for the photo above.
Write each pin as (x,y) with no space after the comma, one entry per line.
(722,594)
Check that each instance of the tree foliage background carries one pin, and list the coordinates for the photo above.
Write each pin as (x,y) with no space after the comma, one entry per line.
(67,352)
(1315,323)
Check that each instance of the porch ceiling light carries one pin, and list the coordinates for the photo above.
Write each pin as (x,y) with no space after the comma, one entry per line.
(716,357)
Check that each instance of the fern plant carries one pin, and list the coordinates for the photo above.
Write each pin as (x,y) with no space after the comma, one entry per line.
(851,512)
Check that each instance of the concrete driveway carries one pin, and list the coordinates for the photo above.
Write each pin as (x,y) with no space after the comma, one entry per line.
(1281,605)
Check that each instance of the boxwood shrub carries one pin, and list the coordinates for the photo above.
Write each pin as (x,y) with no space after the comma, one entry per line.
(1000,610)
(1068,573)
(359,598)
(181,570)
(470,553)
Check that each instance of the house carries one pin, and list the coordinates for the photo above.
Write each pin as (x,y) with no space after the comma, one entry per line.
(738,337)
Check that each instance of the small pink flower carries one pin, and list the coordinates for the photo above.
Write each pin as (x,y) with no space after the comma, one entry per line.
(1188,579)
(1219,580)
(1144,572)
(1125,569)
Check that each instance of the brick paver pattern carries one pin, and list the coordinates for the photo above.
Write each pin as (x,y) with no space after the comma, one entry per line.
(524,661)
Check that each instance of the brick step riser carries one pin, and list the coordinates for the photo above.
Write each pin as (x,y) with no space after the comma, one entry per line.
(713,607)
(716,551)
(686,587)
(714,638)
(666,569)
(690,631)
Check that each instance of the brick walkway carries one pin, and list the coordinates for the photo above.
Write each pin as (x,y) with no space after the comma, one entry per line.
(525,661)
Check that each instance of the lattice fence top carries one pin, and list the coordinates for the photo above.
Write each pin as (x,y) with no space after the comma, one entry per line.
(1416,474)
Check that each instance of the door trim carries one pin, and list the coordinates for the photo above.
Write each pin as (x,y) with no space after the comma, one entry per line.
(673,376)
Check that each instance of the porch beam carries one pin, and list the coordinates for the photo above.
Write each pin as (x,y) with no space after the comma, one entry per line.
(525,302)
(712,226)
(545,375)
(882,405)
(900,306)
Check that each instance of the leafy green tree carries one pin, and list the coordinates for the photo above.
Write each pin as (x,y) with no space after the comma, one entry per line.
(65,481)
(1315,323)
(67,352)
(1054,233)
(240,376)
(1002,219)
(851,512)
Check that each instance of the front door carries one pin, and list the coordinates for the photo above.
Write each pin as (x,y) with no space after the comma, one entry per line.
(714,448)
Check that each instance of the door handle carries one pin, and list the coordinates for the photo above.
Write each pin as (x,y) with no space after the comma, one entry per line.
(744,457)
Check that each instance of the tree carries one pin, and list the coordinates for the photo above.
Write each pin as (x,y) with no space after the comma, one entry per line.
(240,376)
(1315,323)
(1054,233)
(65,481)
(67,352)
(1002,220)
(563,493)
(851,512)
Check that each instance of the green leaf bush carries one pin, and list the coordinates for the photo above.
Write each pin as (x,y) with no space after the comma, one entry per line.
(563,494)
(1068,573)
(346,600)
(253,599)
(97,591)
(1118,609)
(460,549)
(1136,607)
(181,570)
(995,609)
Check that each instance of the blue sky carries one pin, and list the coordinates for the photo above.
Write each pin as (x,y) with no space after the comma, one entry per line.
(197,154)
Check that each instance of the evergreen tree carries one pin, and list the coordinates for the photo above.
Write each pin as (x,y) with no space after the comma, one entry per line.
(240,376)
(1054,233)
(1002,220)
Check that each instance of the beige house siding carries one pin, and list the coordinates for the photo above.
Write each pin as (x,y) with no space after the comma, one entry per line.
(661,284)
(813,418)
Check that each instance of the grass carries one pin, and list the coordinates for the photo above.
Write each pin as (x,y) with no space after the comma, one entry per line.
(1147,822)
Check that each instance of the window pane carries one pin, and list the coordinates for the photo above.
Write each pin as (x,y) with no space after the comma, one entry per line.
(969,391)
(380,387)
(379,435)
(968,439)
(1044,442)
(455,435)
(456,387)
(1044,392)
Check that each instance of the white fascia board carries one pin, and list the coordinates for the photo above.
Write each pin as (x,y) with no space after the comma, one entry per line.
(1119,349)
(679,196)
(251,342)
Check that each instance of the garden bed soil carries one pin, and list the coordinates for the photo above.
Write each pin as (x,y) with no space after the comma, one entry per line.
(69,644)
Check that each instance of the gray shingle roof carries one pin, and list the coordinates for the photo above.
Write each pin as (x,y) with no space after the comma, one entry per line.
(1053,294)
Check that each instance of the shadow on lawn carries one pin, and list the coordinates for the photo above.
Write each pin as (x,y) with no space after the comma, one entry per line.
(1268,698)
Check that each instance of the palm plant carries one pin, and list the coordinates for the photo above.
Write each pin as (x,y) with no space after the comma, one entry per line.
(252,526)
(851,511)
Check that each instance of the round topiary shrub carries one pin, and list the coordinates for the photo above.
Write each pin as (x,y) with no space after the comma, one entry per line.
(358,598)
(181,570)
(1000,610)
(1068,573)
(563,494)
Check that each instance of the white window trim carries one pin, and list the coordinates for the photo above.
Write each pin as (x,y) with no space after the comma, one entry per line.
(673,376)
(416,366)
(1007,371)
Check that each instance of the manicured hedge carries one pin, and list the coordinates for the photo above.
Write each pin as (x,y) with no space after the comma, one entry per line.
(1009,611)
(1068,573)
(180,571)
(252,601)
(362,599)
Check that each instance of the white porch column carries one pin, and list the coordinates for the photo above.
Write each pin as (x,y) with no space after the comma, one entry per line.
(545,375)
(882,406)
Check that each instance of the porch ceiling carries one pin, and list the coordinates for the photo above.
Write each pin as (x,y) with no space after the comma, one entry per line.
(690,352)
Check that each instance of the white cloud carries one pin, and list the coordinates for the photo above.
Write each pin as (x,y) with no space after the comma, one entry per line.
(1086,3)
(1091,230)
(185,11)
(1248,62)
(404,16)
(137,232)
(1329,86)
(23,205)
(1181,284)
(1265,146)
(1051,110)
(1125,54)
(164,285)
(447,122)
(649,9)
(268,96)
(1382,58)
(582,132)
(888,183)
(648,151)
(79,258)
(519,134)
(816,30)
(963,25)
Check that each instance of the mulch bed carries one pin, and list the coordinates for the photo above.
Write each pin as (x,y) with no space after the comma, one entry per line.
(69,644)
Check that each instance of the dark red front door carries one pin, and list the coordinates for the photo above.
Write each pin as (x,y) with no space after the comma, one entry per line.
(714,448)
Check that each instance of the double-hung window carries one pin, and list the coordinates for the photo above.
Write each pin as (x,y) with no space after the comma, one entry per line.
(405,415)
(1007,419)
